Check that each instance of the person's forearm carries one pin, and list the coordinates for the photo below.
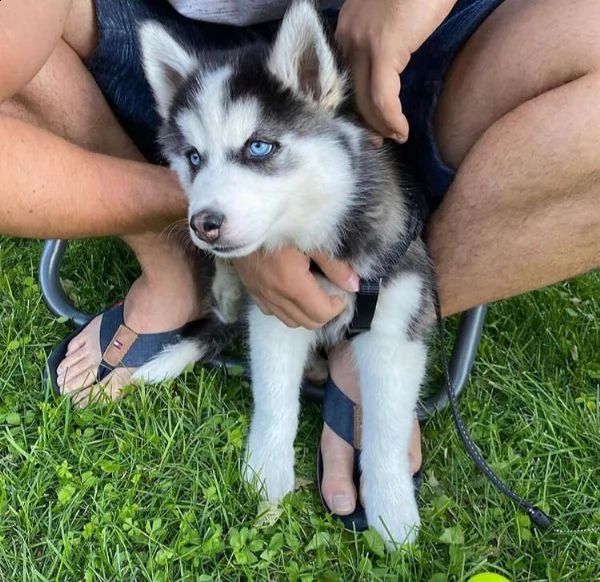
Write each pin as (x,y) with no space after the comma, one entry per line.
(50,188)
(421,18)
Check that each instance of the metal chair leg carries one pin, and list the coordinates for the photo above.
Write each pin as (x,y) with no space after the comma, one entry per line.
(463,354)
(52,290)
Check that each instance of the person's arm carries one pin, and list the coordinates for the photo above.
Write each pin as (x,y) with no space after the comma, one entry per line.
(377,40)
(50,188)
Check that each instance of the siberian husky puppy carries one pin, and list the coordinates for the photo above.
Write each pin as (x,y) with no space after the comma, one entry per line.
(270,154)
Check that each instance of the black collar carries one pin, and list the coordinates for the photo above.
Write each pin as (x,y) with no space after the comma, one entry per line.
(368,293)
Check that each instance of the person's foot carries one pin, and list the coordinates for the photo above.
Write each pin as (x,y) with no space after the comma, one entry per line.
(153,305)
(338,456)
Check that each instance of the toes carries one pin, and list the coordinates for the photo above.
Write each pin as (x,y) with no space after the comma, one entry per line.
(90,332)
(338,464)
(72,382)
(111,388)
(343,501)
(361,489)
(91,395)
(76,343)
(73,368)
(76,373)
(117,380)
(73,359)
(82,352)
(83,397)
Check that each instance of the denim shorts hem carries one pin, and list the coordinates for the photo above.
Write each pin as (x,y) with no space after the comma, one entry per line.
(422,84)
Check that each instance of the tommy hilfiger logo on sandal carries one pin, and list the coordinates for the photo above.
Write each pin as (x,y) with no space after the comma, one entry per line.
(119,345)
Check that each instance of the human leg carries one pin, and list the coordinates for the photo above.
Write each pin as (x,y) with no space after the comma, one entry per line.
(518,117)
(41,194)
(75,109)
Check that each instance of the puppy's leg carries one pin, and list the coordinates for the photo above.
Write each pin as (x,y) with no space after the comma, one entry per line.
(391,365)
(228,292)
(278,355)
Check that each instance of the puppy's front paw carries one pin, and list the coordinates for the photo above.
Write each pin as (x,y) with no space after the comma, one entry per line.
(271,469)
(392,510)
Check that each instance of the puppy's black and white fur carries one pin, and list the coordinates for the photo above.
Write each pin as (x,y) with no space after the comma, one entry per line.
(270,154)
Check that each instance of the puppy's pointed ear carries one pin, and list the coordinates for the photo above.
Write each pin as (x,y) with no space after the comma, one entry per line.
(166,64)
(303,60)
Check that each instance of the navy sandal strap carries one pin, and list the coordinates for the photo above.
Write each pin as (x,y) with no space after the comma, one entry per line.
(341,414)
(123,347)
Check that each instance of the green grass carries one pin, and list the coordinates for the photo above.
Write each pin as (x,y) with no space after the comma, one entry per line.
(150,489)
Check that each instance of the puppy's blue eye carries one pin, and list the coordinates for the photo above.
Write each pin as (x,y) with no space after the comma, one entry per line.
(194,157)
(260,149)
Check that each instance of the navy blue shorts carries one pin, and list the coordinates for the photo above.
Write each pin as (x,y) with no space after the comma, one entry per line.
(116,66)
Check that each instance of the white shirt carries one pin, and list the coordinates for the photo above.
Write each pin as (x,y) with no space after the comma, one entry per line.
(238,12)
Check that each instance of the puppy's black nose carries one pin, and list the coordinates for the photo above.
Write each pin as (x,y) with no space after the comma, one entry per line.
(207,225)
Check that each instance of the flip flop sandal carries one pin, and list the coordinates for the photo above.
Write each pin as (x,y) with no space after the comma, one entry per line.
(343,416)
(121,346)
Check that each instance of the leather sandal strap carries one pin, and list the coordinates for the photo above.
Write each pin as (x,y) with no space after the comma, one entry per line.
(342,415)
(123,347)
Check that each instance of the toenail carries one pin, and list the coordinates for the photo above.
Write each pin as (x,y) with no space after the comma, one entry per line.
(342,503)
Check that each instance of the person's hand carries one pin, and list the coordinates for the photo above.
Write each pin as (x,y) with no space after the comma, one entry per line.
(377,40)
(281,285)
(368,34)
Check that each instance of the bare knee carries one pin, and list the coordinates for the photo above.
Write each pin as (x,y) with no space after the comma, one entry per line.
(20,61)
(522,51)
(42,99)
(73,21)
(64,100)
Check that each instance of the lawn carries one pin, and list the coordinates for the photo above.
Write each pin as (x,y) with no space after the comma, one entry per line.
(149,488)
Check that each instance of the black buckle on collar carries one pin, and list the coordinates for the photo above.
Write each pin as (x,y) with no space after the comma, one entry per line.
(364,307)
(368,293)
